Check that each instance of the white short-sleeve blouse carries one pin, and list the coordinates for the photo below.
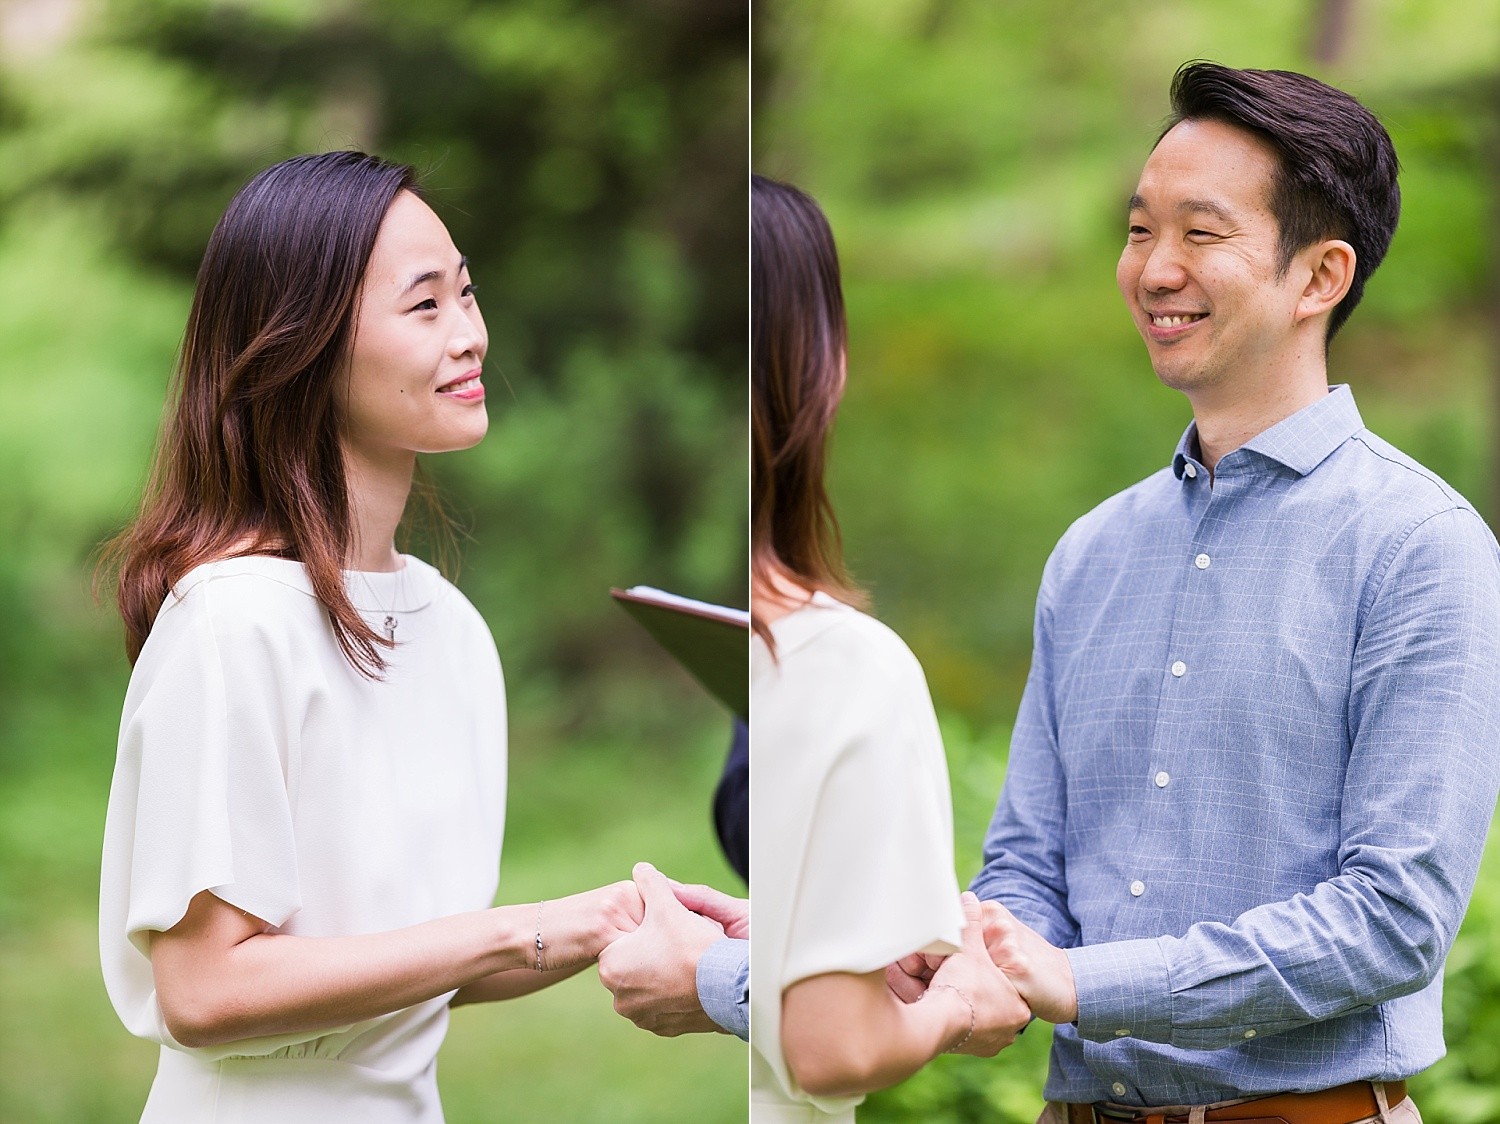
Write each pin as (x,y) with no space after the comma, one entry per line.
(852,843)
(256,763)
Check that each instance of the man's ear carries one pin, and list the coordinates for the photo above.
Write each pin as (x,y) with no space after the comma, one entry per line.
(1330,266)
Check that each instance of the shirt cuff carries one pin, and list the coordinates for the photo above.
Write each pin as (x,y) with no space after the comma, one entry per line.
(1124,991)
(724,985)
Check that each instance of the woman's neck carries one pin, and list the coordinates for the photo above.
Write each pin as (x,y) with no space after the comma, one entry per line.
(776,594)
(377,499)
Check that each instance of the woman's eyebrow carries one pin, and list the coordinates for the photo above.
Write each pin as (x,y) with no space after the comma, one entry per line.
(434,275)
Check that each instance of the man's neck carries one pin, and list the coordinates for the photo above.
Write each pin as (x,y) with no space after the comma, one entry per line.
(1226,420)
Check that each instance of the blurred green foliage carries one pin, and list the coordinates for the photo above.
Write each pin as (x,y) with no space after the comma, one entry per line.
(975,160)
(589,158)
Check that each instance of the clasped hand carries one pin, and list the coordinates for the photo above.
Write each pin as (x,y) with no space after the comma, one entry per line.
(1038,972)
(652,971)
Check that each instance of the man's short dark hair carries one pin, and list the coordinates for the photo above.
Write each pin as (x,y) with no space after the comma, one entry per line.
(1336,166)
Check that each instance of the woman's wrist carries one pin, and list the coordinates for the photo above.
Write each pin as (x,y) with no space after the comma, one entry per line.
(953,1011)
(967,1027)
(539,943)
(559,933)
(512,937)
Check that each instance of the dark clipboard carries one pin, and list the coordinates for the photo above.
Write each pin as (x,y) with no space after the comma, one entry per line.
(710,641)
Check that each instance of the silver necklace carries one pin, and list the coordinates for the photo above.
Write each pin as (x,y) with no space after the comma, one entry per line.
(390,622)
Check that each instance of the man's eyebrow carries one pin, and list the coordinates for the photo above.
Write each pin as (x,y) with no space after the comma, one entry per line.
(433,275)
(1190,207)
(1205,207)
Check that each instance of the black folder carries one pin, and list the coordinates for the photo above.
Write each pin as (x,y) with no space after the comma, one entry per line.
(710,641)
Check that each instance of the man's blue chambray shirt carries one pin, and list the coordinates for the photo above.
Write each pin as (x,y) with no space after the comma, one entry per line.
(1254,766)
(724,985)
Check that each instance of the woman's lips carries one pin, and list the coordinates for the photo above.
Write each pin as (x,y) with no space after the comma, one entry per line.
(468,388)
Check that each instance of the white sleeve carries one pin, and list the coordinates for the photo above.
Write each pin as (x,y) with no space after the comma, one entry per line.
(877,879)
(200,795)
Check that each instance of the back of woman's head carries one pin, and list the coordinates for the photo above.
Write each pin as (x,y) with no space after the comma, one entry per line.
(250,458)
(797,377)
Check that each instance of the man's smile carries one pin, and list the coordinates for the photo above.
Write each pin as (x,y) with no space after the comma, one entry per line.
(1174,319)
(1164,327)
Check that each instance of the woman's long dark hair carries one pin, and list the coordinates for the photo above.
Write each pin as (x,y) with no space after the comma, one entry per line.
(797,377)
(250,456)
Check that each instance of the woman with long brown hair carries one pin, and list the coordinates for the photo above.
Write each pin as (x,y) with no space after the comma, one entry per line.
(304,827)
(851,837)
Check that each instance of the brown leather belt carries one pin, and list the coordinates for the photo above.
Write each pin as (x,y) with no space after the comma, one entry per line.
(1343,1105)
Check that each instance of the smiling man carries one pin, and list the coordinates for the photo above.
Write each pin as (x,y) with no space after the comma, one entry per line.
(1256,758)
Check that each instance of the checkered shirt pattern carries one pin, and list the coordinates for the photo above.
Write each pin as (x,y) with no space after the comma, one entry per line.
(723,977)
(1254,766)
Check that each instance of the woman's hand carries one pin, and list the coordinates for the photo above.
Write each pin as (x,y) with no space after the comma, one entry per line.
(999,1012)
(575,929)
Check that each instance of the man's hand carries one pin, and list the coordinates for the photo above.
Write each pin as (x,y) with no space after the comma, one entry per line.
(1039,970)
(998,1011)
(908,977)
(653,972)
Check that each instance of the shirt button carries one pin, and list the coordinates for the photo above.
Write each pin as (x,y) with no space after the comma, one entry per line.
(1137,888)
(1179,669)
(1163,779)
(1122,1033)
(1190,470)
(1118,1088)
(1202,561)
(1250,1034)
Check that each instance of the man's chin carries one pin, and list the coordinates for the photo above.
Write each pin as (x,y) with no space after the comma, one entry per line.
(1175,377)
(1175,374)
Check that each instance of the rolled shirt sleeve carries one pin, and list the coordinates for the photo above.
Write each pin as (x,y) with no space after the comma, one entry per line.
(724,985)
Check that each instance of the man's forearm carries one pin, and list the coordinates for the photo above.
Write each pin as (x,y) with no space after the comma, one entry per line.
(1340,948)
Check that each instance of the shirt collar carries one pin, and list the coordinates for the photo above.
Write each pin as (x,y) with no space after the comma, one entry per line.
(1300,442)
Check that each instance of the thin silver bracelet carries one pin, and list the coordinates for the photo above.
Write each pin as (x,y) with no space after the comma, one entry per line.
(967,1002)
(539,945)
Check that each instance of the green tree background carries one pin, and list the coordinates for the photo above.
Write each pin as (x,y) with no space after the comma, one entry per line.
(974,160)
(589,157)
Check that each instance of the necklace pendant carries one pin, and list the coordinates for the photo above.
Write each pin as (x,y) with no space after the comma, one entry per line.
(390,628)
